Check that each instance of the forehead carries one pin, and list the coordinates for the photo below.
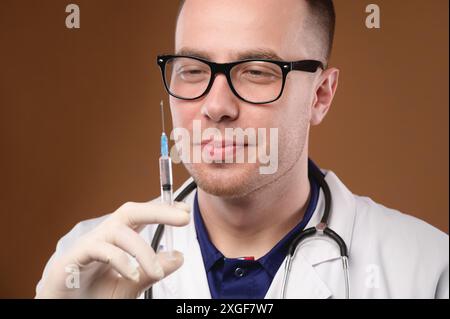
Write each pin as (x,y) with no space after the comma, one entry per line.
(225,30)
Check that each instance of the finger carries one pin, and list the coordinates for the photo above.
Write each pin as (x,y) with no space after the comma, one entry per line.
(106,253)
(128,240)
(137,214)
(170,261)
(183,206)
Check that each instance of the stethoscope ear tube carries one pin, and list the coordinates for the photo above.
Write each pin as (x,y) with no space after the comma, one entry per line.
(302,236)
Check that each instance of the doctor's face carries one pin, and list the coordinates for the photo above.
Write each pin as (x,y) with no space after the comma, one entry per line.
(230,30)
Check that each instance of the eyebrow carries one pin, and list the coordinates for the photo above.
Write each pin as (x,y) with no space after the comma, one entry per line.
(258,53)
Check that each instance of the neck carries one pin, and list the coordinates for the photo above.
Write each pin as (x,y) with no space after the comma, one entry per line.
(254,224)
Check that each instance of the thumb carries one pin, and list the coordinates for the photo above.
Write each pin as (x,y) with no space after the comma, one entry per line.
(170,261)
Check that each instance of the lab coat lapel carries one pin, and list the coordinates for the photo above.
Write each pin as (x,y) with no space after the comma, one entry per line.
(195,281)
(303,283)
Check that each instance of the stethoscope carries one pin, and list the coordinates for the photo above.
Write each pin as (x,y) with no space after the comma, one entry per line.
(320,231)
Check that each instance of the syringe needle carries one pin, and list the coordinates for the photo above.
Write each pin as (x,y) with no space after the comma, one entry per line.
(162,116)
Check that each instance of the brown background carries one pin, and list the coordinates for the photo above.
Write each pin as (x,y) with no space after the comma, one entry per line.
(80,120)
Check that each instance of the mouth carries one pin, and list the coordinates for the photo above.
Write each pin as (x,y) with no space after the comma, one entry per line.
(219,150)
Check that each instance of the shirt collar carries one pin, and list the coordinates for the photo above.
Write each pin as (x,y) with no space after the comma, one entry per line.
(274,258)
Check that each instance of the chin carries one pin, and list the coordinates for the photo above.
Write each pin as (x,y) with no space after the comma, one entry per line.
(226,180)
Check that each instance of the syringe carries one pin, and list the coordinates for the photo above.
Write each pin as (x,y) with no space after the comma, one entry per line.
(165,175)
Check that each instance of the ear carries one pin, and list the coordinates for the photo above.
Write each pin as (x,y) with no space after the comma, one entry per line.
(326,88)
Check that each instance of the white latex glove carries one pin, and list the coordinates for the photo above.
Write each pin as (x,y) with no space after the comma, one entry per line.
(102,255)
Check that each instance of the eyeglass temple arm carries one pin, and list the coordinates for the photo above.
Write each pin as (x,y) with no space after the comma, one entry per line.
(307,65)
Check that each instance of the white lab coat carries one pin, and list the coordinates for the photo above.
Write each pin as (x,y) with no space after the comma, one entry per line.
(391,255)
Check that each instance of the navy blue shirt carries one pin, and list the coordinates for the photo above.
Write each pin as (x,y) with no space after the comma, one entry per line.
(245,278)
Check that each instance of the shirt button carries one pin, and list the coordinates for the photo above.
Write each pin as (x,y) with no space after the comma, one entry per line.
(239,272)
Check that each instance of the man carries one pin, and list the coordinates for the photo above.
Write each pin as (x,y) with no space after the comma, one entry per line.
(243,221)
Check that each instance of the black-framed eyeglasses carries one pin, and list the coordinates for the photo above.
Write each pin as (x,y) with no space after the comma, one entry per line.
(257,81)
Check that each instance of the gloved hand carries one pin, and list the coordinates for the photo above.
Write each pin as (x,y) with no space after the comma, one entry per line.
(102,255)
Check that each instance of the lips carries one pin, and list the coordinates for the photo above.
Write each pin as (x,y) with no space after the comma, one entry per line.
(221,143)
(219,150)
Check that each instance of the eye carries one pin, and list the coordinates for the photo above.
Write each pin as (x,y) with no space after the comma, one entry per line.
(259,74)
(193,73)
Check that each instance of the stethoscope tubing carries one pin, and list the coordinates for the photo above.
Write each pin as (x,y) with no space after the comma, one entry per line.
(320,229)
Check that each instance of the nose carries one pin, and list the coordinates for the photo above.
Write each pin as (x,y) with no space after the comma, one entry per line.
(220,103)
